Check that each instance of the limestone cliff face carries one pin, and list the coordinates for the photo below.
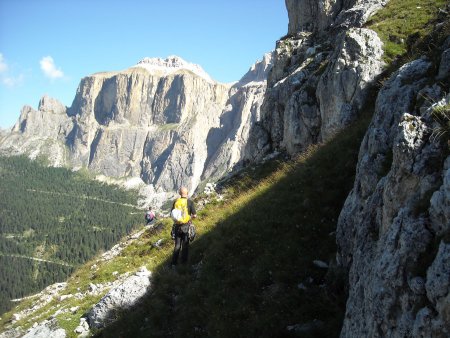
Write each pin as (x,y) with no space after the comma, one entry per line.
(393,231)
(394,228)
(321,15)
(139,122)
(164,120)
(227,143)
(320,77)
(40,133)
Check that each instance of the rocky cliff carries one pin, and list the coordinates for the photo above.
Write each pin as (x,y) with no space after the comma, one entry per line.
(321,15)
(164,120)
(40,133)
(321,74)
(393,232)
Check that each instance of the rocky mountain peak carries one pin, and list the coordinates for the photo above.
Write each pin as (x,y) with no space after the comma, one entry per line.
(170,65)
(258,72)
(49,104)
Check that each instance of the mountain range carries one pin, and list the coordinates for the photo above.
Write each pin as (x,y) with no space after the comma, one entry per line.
(163,120)
(342,61)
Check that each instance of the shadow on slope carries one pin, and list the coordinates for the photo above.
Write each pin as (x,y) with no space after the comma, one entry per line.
(251,272)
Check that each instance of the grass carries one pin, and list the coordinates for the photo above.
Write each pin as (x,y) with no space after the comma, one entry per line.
(254,250)
(441,114)
(402,22)
(168,126)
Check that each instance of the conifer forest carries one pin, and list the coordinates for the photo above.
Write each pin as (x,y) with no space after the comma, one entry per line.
(52,220)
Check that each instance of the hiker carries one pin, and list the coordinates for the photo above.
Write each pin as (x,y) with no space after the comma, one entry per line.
(183,210)
(150,216)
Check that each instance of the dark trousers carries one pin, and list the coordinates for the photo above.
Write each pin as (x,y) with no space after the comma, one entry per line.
(181,243)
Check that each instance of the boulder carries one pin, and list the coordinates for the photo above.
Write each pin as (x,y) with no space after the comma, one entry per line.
(120,297)
(46,329)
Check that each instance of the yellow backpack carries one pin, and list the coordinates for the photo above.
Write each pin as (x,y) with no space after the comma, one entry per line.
(180,213)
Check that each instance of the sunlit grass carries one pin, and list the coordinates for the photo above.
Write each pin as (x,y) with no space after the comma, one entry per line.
(402,20)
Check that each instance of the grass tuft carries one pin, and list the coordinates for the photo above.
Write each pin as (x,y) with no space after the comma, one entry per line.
(441,114)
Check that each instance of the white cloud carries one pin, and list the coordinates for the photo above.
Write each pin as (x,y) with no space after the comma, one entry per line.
(10,81)
(7,76)
(3,64)
(49,68)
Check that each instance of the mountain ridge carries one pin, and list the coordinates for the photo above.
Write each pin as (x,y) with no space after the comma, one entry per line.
(144,115)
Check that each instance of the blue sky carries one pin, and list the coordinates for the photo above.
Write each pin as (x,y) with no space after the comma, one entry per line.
(47,46)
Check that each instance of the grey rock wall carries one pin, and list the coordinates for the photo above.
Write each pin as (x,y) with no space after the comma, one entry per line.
(393,231)
(322,15)
(40,133)
(316,88)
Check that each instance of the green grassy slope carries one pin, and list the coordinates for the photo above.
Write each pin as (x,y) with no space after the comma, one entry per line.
(254,251)
(404,22)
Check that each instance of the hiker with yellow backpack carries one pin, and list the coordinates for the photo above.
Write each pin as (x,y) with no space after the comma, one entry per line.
(183,211)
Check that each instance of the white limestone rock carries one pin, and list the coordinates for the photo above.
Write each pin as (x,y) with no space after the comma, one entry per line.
(164,121)
(395,212)
(40,132)
(342,89)
(120,297)
(83,328)
(320,15)
(310,96)
(171,64)
(257,74)
(46,329)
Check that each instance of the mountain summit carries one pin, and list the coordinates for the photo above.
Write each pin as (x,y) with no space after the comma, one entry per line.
(170,65)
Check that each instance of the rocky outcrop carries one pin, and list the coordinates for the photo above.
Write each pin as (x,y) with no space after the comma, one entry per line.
(164,120)
(3,133)
(321,15)
(40,133)
(122,291)
(48,328)
(393,231)
(119,298)
(144,123)
(226,144)
(314,90)
(342,89)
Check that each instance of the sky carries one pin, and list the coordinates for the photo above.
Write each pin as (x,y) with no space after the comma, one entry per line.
(48,46)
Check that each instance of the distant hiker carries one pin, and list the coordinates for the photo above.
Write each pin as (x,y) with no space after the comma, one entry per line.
(183,210)
(150,216)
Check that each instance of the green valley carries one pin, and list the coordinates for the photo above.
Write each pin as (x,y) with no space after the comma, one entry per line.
(52,220)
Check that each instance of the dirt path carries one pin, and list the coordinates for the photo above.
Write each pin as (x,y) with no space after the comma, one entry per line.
(83,197)
(36,259)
